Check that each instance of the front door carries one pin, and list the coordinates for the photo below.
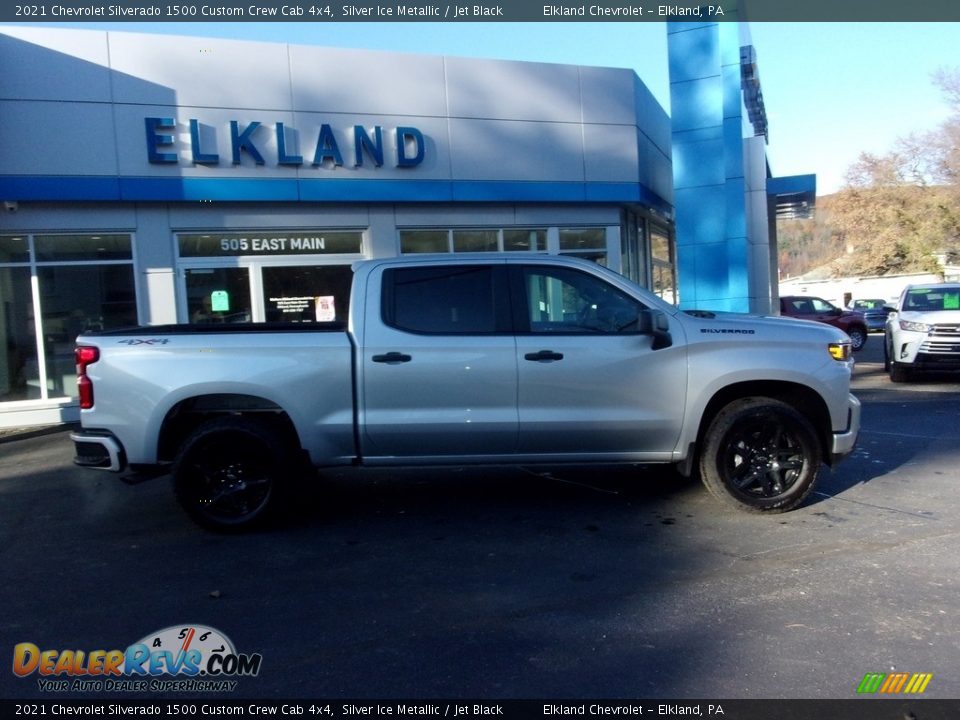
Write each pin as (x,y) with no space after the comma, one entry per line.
(590,384)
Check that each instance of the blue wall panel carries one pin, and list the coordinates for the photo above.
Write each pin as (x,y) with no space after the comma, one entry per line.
(698,164)
(713,251)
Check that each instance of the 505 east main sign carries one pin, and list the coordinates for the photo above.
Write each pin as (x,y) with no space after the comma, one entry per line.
(162,145)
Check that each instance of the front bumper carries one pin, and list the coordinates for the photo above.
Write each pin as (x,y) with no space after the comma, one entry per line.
(938,348)
(98,450)
(845,441)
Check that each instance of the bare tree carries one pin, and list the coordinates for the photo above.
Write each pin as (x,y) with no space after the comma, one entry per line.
(897,210)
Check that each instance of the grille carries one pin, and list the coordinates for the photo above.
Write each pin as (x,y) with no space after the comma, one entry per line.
(942,340)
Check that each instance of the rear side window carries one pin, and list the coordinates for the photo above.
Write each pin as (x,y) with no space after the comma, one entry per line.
(451,300)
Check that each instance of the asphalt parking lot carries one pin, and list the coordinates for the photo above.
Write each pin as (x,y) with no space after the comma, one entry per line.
(610,583)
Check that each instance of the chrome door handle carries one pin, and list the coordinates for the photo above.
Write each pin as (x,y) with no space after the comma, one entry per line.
(392,358)
(543,356)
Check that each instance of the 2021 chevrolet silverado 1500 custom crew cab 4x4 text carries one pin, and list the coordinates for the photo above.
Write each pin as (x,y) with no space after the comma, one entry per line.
(466,360)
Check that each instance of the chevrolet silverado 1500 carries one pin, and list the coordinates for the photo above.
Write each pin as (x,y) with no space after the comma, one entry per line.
(464,360)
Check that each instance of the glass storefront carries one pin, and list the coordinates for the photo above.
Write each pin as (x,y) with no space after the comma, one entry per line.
(267,276)
(218,295)
(587,243)
(19,367)
(646,259)
(52,288)
(473,240)
(662,264)
(307,293)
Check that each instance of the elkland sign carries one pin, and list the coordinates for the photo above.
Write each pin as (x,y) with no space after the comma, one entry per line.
(249,140)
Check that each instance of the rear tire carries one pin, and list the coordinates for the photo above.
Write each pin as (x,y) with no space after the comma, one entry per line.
(760,455)
(230,472)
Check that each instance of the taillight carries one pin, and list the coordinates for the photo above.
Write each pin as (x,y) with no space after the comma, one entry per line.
(85,355)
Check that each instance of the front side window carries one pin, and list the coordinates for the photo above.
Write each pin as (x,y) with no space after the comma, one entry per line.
(821,306)
(560,300)
(460,300)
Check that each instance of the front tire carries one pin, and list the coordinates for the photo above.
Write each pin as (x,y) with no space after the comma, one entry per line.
(760,455)
(229,473)
(858,338)
(898,373)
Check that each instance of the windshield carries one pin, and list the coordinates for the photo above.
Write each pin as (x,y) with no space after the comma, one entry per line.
(938,298)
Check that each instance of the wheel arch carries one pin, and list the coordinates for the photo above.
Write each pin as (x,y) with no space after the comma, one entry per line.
(188,414)
(803,399)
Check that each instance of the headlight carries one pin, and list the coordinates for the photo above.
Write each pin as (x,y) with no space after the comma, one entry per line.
(914,326)
(840,350)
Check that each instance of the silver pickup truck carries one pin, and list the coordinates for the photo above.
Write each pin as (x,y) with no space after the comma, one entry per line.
(466,360)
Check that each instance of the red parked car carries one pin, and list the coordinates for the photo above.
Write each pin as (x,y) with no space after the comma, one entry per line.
(806,307)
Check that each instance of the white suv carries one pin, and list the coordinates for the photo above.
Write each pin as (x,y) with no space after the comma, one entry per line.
(924,332)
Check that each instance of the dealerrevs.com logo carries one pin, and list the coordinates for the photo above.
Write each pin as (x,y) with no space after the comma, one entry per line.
(188,658)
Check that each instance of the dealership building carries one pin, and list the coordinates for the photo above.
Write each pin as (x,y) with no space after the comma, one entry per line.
(151,179)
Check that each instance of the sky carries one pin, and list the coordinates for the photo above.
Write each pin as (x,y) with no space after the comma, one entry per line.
(832,90)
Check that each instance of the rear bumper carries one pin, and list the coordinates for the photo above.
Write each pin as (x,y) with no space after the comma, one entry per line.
(98,450)
(845,441)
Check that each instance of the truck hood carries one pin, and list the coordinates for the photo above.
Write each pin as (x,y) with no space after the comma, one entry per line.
(930,317)
(705,323)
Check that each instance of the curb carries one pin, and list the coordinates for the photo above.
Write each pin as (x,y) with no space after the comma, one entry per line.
(8,435)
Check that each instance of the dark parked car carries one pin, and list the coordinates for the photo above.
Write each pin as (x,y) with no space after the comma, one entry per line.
(806,307)
(874,311)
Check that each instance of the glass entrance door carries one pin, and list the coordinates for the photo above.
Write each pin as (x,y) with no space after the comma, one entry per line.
(266,293)
(308,293)
(266,275)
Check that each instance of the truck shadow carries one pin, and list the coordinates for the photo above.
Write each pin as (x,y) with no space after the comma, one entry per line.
(345,495)
(899,423)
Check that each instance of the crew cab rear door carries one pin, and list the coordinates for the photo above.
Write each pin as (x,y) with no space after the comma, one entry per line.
(590,384)
(438,370)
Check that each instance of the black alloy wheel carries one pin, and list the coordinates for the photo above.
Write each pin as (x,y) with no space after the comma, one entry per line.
(760,455)
(229,472)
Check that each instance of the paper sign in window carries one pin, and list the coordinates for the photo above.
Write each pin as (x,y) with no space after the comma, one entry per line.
(220,301)
(326,311)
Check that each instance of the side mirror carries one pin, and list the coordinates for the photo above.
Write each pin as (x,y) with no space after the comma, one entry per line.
(892,309)
(655,322)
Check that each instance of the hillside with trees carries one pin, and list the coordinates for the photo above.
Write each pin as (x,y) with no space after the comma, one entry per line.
(896,211)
